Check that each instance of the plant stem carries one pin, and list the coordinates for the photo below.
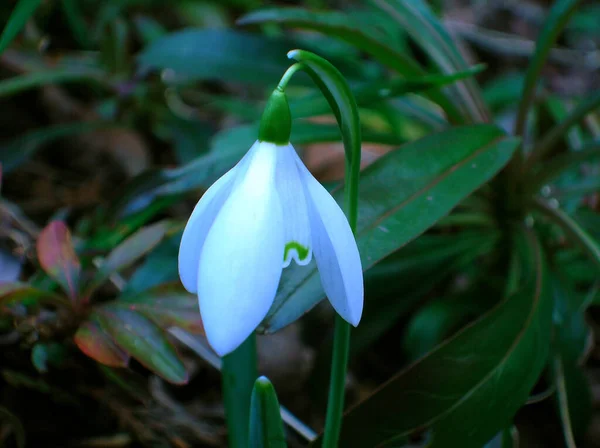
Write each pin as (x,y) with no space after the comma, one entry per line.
(337,386)
(283,82)
(239,373)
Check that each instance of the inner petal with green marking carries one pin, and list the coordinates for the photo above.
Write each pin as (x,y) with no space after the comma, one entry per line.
(295,250)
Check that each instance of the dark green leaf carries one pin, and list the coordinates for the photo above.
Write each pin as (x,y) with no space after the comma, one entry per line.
(147,343)
(20,15)
(470,387)
(410,274)
(131,250)
(266,428)
(400,196)
(227,55)
(167,308)
(58,258)
(160,266)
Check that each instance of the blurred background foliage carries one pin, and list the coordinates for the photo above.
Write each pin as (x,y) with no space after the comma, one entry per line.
(478,220)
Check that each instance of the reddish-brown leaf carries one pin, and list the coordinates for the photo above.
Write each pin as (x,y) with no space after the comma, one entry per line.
(98,345)
(57,257)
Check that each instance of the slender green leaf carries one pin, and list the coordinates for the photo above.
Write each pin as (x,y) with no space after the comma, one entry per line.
(147,343)
(401,195)
(563,162)
(17,20)
(18,84)
(19,149)
(58,258)
(266,428)
(342,26)
(339,96)
(417,19)
(558,17)
(239,372)
(573,342)
(552,138)
(469,388)
(571,228)
(368,39)
(378,91)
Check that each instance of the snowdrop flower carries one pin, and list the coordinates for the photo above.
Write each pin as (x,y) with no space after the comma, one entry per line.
(251,223)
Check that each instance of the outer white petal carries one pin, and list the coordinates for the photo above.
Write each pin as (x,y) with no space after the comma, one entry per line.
(296,225)
(201,221)
(335,250)
(240,263)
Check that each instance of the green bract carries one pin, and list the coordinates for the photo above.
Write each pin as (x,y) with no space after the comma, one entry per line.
(276,122)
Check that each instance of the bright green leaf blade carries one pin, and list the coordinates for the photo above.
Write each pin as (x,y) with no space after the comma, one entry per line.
(147,343)
(98,345)
(417,19)
(266,428)
(558,17)
(239,372)
(58,258)
(469,388)
(130,250)
(400,196)
(20,15)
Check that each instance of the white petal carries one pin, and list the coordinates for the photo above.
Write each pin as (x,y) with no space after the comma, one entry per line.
(240,263)
(296,224)
(201,221)
(335,250)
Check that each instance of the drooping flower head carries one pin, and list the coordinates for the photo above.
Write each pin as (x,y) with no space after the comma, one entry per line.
(264,213)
